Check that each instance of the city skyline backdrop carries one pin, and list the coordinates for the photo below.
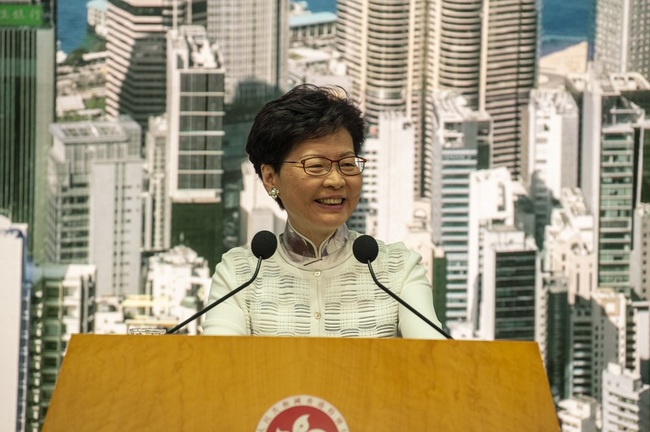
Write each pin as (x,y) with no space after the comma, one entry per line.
(524,182)
(563,22)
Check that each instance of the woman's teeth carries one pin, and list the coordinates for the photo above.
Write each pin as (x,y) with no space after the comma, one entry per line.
(330,201)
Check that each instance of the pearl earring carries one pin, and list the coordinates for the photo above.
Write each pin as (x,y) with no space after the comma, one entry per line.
(274,193)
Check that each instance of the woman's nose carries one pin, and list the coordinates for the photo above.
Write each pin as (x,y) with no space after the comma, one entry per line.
(334,177)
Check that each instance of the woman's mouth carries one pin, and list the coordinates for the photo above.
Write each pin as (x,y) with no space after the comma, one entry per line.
(330,201)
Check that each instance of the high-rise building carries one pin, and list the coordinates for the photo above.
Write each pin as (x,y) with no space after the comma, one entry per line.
(486,51)
(493,201)
(581,351)
(14,323)
(136,64)
(386,208)
(569,245)
(614,334)
(63,303)
(458,134)
(602,330)
(578,414)
(626,400)
(398,52)
(511,304)
(382,47)
(195,141)
(570,278)
(95,211)
(609,166)
(253,36)
(620,39)
(557,335)
(27,107)
(552,151)
(642,341)
(505,297)
(157,206)
(640,259)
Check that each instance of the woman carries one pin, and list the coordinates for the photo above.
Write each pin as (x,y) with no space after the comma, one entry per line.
(305,148)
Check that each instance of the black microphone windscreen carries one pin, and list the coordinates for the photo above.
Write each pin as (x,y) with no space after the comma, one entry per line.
(365,249)
(264,244)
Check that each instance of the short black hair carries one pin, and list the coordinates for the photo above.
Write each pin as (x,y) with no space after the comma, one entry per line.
(305,113)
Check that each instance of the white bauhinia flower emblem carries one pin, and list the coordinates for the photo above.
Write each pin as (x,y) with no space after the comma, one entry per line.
(301,425)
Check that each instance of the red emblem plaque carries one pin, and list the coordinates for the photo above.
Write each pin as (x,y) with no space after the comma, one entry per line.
(302,413)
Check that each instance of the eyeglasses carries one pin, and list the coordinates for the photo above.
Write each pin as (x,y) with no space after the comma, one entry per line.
(320,166)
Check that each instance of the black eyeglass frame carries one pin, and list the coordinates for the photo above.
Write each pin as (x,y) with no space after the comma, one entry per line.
(359,162)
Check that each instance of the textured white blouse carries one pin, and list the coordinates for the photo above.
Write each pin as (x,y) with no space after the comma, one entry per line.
(301,291)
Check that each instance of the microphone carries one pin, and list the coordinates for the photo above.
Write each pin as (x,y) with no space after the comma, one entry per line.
(263,246)
(365,250)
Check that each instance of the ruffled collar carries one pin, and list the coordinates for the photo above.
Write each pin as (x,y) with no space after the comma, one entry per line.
(301,250)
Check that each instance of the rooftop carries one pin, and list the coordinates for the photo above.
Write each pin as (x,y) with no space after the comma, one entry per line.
(101,5)
(310,19)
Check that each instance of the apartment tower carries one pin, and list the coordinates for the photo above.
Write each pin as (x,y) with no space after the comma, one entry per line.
(486,51)
(135,83)
(552,121)
(253,36)
(458,134)
(27,91)
(620,36)
(14,323)
(95,205)
(62,304)
(382,46)
(397,52)
(609,169)
(195,116)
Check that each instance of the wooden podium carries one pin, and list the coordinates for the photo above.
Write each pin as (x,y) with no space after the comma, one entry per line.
(213,383)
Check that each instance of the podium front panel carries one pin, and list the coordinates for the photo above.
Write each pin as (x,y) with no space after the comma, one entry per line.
(215,383)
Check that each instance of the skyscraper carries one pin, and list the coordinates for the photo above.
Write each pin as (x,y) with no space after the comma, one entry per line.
(620,39)
(63,303)
(626,400)
(398,52)
(610,168)
(486,51)
(552,151)
(135,83)
(195,140)
(386,208)
(457,134)
(569,245)
(641,255)
(253,36)
(27,91)
(14,323)
(95,212)
(382,46)
(510,305)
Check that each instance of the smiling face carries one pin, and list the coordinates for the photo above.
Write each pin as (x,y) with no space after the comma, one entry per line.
(316,206)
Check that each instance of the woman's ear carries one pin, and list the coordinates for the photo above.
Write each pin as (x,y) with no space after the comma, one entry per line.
(268,176)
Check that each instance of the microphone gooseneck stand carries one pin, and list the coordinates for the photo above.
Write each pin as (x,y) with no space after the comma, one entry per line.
(365,250)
